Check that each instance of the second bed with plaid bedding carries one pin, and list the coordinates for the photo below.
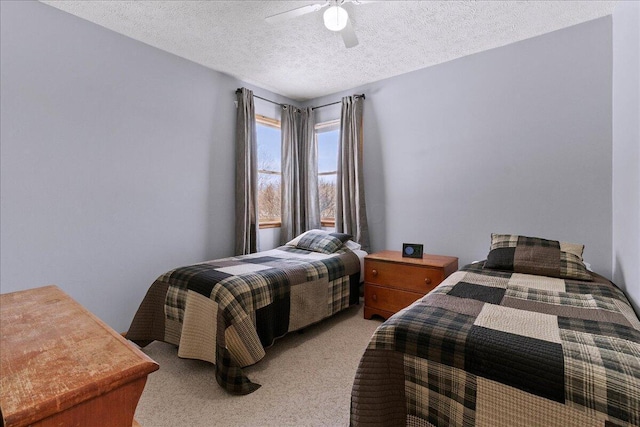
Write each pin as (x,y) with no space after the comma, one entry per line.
(227,311)
(500,348)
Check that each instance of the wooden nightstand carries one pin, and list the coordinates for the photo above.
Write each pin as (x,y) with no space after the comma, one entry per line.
(392,282)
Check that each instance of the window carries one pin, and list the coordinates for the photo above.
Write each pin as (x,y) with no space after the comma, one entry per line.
(269,171)
(328,138)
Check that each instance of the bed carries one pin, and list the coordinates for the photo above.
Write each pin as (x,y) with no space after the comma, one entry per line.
(528,337)
(227,311)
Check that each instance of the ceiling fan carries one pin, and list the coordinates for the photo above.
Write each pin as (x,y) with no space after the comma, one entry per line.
(335,18)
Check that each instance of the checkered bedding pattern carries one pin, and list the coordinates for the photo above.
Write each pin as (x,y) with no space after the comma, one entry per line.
(533,255)
(227,311)
(495,348)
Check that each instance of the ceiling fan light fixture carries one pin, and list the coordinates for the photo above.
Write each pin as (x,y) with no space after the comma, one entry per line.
(335,18)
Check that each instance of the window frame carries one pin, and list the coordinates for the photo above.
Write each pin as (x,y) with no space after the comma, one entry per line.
(274,123)
(328,126)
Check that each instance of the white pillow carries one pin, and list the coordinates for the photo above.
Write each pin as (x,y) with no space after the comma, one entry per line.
(352,245)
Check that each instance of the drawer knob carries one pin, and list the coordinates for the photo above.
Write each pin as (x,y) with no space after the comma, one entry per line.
(427,281)
(374,297)
(374,272)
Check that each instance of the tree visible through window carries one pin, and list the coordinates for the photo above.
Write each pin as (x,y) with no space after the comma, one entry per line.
(269,171)
(328,136)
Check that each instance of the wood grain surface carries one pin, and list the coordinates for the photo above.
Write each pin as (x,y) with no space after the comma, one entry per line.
(392,282)
(61,365)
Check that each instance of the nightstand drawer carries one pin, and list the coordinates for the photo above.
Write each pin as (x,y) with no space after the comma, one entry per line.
(386,299)
(402,276)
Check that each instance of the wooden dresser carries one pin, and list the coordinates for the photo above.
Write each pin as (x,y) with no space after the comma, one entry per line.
(392,282)
(62,366)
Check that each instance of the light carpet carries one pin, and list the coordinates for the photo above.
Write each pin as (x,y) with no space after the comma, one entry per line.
(306,381)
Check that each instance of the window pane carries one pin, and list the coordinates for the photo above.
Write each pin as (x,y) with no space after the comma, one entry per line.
(328,135)
(268,197)
(270,174)
(327,193)
(269,151)
(328,151)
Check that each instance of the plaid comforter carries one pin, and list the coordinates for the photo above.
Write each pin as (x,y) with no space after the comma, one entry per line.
(494,348)
(227,311)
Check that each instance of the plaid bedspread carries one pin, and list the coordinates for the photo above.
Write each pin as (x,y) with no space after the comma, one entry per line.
(492,348)
(227,311)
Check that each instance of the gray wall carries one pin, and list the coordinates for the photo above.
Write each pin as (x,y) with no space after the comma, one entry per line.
(626,149)
(117,160)
(512,140)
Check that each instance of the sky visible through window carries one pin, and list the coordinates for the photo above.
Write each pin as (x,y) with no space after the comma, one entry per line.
(271,154)
(328,151)
(269,151)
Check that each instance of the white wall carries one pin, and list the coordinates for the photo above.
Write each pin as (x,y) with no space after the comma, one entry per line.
(513,140)
(117,160)
(626,149)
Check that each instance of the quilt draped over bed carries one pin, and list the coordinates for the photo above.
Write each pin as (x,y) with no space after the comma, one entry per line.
(227,311)
(495,348)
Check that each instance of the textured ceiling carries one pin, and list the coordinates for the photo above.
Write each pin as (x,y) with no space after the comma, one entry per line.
(302,60)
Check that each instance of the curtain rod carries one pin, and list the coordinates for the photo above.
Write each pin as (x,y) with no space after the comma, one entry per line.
(313,108)
(361,95)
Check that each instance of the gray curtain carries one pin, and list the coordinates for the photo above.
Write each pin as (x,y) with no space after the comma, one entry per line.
(300,203)
(351,211)
(246,175)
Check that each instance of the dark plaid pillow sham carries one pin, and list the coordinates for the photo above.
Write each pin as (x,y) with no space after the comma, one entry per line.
(342,236)
(319,241)
(533,255)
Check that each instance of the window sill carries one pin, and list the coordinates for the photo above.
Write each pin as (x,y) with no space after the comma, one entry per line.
(277,224)
(269,224)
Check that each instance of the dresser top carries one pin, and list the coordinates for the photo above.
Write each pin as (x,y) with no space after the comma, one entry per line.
(55,354)
(427,260)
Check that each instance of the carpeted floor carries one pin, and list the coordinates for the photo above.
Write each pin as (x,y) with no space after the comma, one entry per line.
(306,381)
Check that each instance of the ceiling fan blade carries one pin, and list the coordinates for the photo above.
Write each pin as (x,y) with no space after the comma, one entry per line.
(349,36)
(299,11)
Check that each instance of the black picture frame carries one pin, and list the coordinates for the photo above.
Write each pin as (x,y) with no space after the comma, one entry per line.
(412,250)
